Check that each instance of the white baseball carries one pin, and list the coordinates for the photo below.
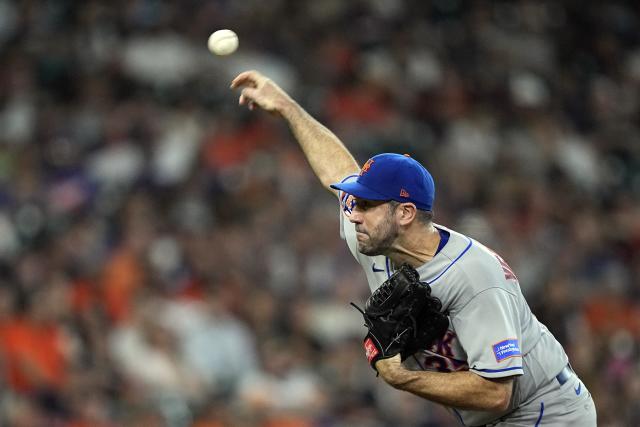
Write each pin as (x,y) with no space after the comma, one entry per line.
(223,42)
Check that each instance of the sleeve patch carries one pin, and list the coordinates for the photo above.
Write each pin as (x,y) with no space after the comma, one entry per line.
(506,349)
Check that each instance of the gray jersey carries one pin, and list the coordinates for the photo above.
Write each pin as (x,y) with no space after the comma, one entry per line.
(492,331)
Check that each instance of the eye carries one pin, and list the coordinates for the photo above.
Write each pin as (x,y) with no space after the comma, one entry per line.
(362,204)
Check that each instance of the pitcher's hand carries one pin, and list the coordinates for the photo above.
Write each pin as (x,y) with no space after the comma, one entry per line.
(258,90)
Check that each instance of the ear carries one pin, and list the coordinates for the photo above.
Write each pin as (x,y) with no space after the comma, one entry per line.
(406,213)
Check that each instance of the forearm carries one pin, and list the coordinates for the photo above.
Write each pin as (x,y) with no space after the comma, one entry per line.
(328,157)
(463,389)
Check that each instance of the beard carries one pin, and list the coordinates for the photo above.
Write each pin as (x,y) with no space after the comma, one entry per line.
(379,239)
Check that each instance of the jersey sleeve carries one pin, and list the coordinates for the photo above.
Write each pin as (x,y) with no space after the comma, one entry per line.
(376,268)
(489,331)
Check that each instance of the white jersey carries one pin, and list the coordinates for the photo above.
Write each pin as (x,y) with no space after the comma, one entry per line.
(492,331)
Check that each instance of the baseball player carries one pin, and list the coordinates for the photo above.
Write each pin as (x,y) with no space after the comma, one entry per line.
(496,365)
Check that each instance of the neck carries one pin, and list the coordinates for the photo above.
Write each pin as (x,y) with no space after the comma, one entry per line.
(415,247)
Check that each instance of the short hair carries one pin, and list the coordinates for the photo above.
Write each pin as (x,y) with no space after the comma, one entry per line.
(425,217)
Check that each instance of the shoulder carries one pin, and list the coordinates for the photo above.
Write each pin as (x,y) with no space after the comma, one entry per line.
(463,269)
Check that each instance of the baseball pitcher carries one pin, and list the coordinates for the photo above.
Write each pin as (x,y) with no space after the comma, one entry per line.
(446,320)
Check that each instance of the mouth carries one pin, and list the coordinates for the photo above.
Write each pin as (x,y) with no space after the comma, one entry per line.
(360,235)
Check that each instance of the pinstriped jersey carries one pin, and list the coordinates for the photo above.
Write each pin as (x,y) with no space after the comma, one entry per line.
(492,331)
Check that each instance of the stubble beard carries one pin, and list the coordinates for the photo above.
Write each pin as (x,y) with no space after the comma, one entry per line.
(380,239)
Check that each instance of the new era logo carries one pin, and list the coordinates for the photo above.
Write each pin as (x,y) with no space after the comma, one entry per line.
(370,349)
(404,193)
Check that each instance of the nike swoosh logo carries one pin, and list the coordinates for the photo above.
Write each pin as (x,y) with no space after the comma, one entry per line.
(376,270)
(578,389)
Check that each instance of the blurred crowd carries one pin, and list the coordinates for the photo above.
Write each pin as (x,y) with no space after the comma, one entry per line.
(167,258)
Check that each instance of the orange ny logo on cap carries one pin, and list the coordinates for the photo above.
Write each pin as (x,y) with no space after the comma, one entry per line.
(366,166)
(404,193)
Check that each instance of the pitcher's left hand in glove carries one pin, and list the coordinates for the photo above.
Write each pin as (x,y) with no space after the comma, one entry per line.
(402,317)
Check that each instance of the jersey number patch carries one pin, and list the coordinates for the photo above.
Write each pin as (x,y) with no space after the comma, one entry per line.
(440,357)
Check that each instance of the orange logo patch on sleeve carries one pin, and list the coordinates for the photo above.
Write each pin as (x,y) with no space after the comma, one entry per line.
(366,166)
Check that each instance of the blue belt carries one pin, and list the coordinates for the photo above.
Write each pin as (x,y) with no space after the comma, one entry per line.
(564,375)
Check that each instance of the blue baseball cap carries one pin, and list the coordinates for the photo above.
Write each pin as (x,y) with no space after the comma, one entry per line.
(390,176)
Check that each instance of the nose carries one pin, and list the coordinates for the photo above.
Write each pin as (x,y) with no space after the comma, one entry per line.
(356,216)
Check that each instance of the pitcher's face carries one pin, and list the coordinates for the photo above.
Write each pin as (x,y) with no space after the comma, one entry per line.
(376,227)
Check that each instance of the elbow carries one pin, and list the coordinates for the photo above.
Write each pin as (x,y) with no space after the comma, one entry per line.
(501,399)
(499,405)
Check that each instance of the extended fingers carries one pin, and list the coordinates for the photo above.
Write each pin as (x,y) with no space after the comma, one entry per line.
(247,95)
(249,78)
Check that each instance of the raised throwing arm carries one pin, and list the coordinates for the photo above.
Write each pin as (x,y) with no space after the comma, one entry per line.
(328,157)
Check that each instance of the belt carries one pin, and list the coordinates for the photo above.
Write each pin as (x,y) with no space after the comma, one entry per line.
(564,374)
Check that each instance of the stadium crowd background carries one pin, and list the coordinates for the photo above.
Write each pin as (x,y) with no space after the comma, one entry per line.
(167,258)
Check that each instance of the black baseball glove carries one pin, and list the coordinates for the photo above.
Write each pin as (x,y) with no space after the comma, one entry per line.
(402,317)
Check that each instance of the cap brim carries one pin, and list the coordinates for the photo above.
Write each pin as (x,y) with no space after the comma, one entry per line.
(360,191)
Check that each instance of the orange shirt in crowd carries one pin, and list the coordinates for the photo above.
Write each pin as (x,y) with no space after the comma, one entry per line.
(608,313)
(123,276)
(33,355)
